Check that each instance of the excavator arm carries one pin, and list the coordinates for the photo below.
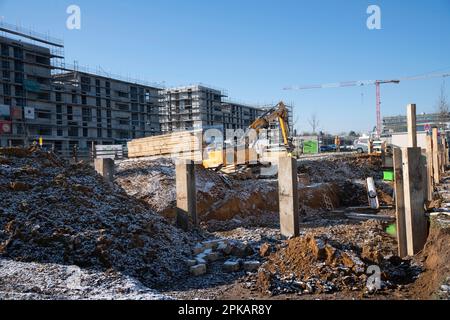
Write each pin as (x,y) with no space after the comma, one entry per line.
(278,113)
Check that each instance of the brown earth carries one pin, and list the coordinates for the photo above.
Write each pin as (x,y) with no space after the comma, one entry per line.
(436,261)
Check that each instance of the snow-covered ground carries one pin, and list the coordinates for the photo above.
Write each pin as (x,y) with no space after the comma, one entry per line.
(38,281)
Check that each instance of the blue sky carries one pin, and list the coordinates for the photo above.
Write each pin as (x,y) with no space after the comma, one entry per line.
(254,48)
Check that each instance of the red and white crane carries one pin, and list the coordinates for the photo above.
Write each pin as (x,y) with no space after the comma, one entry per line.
(376,83)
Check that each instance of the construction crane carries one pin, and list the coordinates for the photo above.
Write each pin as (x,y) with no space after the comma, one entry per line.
(376,83)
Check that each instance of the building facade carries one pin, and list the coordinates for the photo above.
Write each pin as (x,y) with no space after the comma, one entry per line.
(425,122)
(26,81)
(42,99)
(193,107)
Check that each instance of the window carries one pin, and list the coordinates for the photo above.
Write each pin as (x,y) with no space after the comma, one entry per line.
(108,103)
(6,89)
(20,102)
(74,99)
(98,102)
(85,88)
(86,114)
(18,66)
(73,129)
(43,114)
(99,133)
(122,107)
(5,64)
(123,121)
(85,132)
(19,91)
(69,113)
(58,96)
(44,131)
(5,50)
(59,131)
(18,53)
(122,94)
(6,75)
(83,100)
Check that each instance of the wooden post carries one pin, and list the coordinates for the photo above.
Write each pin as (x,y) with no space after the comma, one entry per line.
(436,173)
(288,197)
(415,220)
(411,121)
(430,181)
(186,194)
(400,203)
(443,163)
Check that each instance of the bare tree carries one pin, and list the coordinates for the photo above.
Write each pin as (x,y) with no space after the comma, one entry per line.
(314,122)
(443,107)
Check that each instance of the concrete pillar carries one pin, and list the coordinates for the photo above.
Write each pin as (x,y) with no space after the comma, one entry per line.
(288,197)
(105,167)
(413,186)
(400,203)
(186,194)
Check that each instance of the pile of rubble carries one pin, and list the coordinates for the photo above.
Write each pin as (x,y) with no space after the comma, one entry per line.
(236,255)
(53,212)
(350,167)
(312,264)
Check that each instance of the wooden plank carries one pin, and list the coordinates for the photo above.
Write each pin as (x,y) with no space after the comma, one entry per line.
(411,122)
(436,173)
(430,178)
(415,220)
(400,203)
(365,216)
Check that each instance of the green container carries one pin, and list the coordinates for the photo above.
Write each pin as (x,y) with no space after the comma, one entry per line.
(388,175)
(310,147)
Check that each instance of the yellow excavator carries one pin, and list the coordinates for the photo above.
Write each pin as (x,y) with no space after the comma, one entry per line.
(218,158)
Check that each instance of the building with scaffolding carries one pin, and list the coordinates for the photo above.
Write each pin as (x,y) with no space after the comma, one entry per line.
(66,105)
(194,107)
(42,98)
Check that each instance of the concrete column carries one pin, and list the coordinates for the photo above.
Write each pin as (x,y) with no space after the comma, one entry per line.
(288,197)
(186,194)
(400,204)
(105,167)
(413,186)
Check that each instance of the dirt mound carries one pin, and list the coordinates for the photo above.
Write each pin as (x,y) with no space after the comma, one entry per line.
(436,261)
(343,168)
(317,264)
(53,212)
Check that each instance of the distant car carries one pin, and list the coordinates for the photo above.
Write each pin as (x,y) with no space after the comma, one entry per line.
(361,147)
(328,148)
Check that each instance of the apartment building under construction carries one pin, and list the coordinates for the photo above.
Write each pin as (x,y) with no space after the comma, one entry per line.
(44,99)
